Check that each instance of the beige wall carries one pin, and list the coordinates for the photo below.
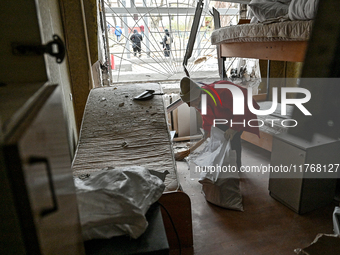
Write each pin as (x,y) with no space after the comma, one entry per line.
(66,19)
(58,73)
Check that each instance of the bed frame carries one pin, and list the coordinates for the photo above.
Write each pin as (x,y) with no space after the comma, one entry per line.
(292,51)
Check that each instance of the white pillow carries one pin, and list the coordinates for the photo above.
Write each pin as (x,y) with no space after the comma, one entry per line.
(264,10)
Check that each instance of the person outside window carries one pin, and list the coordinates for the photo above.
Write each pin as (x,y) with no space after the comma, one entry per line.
(118,33)
(167,40)
(136,39)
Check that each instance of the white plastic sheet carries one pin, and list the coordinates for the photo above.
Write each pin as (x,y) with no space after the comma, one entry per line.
(219,176)
(113,201)
(336,222)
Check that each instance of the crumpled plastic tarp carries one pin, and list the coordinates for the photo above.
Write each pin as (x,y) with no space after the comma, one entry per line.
(220,187)
(113,201)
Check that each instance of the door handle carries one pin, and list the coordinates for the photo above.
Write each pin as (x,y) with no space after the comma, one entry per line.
(36,160)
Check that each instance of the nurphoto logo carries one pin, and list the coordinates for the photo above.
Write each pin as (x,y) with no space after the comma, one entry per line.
(238,104)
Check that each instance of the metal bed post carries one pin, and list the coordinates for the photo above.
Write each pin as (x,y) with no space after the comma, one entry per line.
(268,80)
(221,60)
(192,36)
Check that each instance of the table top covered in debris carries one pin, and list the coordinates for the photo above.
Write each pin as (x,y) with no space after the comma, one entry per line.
(119,131)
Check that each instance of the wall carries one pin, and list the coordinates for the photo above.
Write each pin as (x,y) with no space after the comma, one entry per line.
(66,19)
(288,72)
(58,73)
(78,54)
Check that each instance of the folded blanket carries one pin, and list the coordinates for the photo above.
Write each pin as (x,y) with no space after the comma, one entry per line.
(302,9)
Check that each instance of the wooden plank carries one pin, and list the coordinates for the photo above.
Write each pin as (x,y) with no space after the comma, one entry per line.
(243,21)
(293,51)
(178,205)
(260,97)
(265,141)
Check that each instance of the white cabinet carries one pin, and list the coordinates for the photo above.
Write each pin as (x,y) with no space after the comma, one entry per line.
(310,178)
(38,186)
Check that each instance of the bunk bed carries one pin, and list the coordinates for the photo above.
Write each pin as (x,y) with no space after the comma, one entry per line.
(283,41)
(282,37)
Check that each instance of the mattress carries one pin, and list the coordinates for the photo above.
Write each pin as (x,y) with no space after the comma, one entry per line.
(280,31)
(118,131)
(272,123)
